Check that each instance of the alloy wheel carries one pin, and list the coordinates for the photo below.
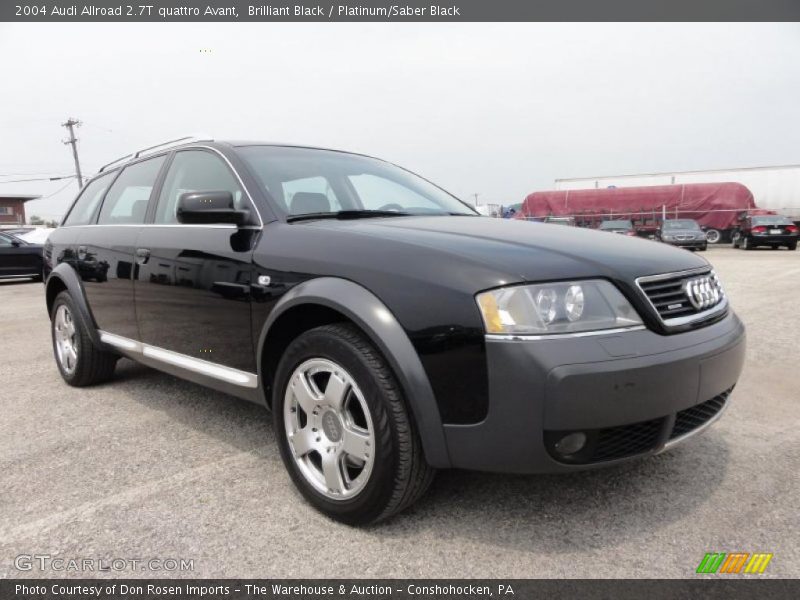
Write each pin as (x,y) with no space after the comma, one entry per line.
(329,429)
(65,334)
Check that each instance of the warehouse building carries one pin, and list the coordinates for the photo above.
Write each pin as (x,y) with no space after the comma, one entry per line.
(12,208)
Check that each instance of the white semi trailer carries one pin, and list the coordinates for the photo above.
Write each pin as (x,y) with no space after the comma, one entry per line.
(773,188)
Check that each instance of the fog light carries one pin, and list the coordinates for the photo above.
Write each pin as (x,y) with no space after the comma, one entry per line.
(570,444)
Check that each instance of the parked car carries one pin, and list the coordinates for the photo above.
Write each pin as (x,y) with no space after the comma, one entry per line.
(765,230)
(16,230)
(684,233)
(568,221)
(19,259)
(621,226)
(389,328)
(38,235)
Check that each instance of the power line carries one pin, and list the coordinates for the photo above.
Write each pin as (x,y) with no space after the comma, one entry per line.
(39,179)
(48,173)
(59,190)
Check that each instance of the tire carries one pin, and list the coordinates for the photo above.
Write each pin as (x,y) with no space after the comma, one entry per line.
(373,413)
(86,364)
(703,248)
(792,246)
(714,236)
(745,243)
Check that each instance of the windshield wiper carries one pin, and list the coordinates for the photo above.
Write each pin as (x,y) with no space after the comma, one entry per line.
(347,214)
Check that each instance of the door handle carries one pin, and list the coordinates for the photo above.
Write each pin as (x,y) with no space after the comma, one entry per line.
(142,256)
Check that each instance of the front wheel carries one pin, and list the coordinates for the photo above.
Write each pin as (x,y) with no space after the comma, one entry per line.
(344,432)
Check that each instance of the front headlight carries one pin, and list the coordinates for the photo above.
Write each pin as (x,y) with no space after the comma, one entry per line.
(563,307)
(668,237)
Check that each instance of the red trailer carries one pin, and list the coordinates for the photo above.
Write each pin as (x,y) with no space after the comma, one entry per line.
(715,206)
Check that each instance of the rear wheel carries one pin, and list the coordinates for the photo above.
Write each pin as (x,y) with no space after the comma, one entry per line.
(713,236)
(79,361)
(745,243)
(345,435)
(792,246)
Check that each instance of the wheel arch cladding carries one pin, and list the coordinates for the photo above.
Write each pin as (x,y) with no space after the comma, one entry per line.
(328,299)
(63,278)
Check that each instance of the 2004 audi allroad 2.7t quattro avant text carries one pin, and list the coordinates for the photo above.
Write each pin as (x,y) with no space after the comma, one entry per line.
(391,329)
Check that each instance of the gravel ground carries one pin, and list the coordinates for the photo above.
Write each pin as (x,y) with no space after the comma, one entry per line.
(153,467)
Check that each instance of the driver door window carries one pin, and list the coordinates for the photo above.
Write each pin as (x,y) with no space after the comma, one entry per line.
(195,171)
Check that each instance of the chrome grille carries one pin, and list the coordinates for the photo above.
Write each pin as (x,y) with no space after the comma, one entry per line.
(685,297)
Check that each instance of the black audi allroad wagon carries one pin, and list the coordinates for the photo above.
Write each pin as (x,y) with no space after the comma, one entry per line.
(390,329)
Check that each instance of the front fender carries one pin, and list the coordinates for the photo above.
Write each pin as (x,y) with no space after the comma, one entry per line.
(64,275)
(370,314)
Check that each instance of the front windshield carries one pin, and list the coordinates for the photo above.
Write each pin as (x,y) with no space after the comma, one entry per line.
(681,224)
(776,220)
(309,181)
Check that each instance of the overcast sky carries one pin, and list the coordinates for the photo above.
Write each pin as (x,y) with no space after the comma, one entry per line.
(497,109)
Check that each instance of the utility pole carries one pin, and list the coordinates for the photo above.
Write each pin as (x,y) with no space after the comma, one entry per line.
(476,199)
(73,141)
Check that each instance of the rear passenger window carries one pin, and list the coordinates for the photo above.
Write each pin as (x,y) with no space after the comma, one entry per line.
(126,200)
(85,206)
(195,171)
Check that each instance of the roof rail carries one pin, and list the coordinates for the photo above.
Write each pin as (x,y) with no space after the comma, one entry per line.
(162,146)
(113,162)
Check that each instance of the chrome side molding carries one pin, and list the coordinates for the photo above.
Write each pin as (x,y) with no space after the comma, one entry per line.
(522,337)
(183,361)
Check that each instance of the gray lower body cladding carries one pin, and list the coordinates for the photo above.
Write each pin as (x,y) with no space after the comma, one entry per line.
(630,394)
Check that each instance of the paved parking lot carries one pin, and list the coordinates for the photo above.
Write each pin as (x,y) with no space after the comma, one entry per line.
(153,467)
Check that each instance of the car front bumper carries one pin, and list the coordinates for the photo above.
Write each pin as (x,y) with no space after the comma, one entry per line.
(697,243)
(631,393)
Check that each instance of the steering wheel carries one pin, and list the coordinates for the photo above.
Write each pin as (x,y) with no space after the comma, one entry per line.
(392,206)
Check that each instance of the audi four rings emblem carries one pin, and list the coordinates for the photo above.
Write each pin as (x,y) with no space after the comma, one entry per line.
(703,292)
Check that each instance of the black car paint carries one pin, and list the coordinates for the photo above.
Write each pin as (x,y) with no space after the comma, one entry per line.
(425,271)
(19,258)
(788,235)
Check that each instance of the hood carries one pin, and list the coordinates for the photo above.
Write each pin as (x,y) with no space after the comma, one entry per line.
(523,250)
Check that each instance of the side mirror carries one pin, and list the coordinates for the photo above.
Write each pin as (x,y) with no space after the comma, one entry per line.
(16,243)
(209,208)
